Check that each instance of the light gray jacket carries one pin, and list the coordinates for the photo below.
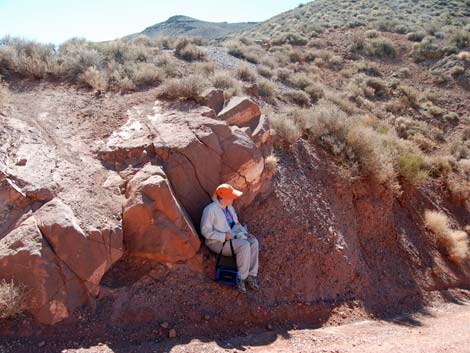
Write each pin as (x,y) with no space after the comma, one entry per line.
(214,225)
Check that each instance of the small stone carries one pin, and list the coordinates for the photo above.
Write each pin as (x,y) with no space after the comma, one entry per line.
(42,344)
(75,343)
(207,317)
(21,161)
(269,327)
(165,324)
(172,333)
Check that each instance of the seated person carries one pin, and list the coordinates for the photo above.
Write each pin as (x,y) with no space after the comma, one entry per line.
(218,220)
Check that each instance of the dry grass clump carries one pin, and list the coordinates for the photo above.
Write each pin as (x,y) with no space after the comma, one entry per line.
(285,127)
(253,53)
(297,97)
(315,91)
(453,241)
(244,73)
(186,50)
(464,55)
(12,299)
(189,88)
(459,190)
(95,79)
(224,80)
(426,50)
(416,36)
(265,71)
(291,38)
(380,47)
(266,89)
(270,163)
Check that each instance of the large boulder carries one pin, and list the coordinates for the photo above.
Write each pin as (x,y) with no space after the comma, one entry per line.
(155,225)
(26,258)
(89,256)
(212,98)
(241,111)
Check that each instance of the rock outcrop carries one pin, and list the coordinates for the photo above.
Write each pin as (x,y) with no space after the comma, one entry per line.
(69,213)
(155,225)
(241,111)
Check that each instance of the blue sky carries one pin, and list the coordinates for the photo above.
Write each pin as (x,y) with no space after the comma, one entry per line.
(58,20)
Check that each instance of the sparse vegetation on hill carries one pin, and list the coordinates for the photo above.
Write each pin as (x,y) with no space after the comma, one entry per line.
(177,26)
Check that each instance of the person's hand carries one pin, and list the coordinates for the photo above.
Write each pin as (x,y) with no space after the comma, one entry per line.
(228,236)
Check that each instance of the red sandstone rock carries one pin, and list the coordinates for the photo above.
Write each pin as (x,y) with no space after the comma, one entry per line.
(88,256)
(155,225)
(26,258)
(212,98)
(240,111)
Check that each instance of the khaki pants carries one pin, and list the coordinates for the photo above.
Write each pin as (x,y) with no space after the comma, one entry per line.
(246,252)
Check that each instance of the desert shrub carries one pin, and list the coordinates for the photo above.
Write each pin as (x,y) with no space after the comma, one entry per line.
(416,36)
(203,68)
(460,150)
(460,38)
(244,73)
(189,87)
(299,98)
(453,241)
(342,102)
(145,74)
(369,68)
(371,33)
(12,299)
(186,50)
(380,47)
(27,58)
(285,128)
(315,92)
(413,167)
(283,75)
(266,89)
(252,54)
(265,71)
(235,50)
(95,79)
(457,70)
(224,80)
(426,50)
(290,38)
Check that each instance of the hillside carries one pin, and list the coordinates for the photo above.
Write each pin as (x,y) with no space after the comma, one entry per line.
(184,25)
(351,144)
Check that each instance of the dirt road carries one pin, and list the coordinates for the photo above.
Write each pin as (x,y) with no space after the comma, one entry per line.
(442,329)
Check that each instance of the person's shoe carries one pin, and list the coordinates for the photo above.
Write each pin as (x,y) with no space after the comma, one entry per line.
(251,280)
(241,285)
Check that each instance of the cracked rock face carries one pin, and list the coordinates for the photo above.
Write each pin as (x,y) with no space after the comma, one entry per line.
(196,153)
(155,225)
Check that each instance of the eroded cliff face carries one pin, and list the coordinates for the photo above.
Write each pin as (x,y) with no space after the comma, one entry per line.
(110,212)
